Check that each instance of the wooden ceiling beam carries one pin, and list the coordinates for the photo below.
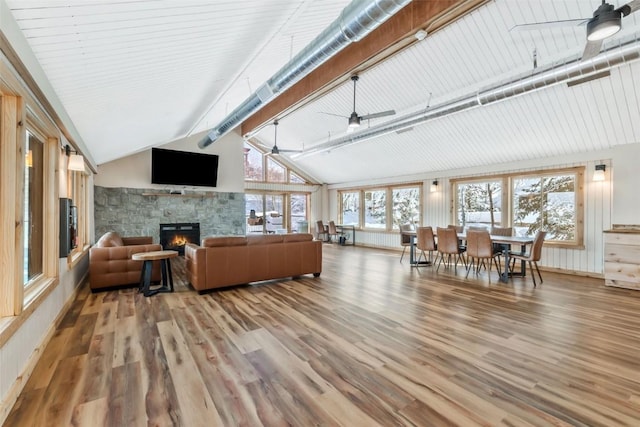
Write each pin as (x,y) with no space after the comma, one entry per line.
(389,38)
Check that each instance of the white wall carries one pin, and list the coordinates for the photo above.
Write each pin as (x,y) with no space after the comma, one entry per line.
(614,201)
(624,174)
(134,171)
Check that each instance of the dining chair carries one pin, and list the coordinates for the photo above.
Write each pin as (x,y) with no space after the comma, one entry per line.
(459,229)
(479,250)
(321,230)
(448,245)
(501,231)
(405,239)
(533,256)
(333,231)
(425,242)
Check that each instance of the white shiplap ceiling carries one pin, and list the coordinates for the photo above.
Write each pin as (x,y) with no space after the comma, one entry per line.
(476,52)
(138,73)
(133,74)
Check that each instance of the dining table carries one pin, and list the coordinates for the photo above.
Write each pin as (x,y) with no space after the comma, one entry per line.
(507,241)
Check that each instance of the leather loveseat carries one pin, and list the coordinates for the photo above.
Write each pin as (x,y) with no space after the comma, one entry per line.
(227,261)
(110,263)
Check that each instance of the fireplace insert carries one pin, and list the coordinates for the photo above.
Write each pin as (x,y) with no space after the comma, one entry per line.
(175,236)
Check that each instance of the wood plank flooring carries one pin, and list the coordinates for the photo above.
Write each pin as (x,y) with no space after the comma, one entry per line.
(372,342)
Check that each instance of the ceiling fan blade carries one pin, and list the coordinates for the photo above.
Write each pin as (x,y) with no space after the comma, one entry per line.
(377,115)
(629,8)
(592,49)
(549,24)
(332,114)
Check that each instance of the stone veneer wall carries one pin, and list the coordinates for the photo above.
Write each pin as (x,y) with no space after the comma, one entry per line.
(134,212)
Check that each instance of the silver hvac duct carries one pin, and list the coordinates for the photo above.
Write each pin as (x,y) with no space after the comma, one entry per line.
(358,19)
(543,78)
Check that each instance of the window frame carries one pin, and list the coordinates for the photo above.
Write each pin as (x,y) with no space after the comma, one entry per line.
(287,170)
(507,198)
(286,206)
(389,223)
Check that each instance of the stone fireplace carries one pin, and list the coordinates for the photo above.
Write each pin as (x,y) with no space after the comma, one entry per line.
(175,236)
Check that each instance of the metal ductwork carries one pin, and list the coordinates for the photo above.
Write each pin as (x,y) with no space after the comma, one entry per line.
(356,20)
(543,78)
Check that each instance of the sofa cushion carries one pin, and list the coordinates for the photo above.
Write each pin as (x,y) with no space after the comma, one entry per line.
(297,237)
(213,242)
(264,239)
(108,240)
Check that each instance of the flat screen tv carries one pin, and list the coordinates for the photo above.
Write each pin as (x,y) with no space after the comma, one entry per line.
(183,168)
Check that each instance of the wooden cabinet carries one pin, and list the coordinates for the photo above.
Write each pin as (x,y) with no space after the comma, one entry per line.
(622,258)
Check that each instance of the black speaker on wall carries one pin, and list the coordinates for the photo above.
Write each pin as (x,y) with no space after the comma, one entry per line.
(67,227)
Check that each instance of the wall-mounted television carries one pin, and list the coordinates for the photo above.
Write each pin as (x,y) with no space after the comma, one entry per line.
(183,168)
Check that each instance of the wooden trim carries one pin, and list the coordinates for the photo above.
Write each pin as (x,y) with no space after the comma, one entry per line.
(11,149)
(389,38)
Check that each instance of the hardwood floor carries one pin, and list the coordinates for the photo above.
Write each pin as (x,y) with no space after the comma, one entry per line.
(371,342)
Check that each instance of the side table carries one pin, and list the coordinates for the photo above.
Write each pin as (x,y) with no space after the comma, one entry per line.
(165,267)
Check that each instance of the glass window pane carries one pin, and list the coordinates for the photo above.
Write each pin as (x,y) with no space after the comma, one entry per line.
(275,171)
(274,219)
(375,215)
(479,204)
(33,209)
(545,203)
(298,211)
(253,169)
(351,208)
(406,206)
(254,208)
(294,178)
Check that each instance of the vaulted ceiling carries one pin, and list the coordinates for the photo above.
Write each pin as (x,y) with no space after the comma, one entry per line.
(134,74)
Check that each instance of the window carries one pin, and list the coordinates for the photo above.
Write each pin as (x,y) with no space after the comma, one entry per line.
(406,206)
(382,208)
(253,168)
(33,218)
(375,209)
(479,203)
(548,203)
(542,200)
(275,171)
(260,166)
(274,212)
(350,202)
(254,206)
(298,211)
(294,178)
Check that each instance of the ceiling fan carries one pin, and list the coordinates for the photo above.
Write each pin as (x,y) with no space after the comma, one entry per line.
(606,21)
(275,150)
(354,118)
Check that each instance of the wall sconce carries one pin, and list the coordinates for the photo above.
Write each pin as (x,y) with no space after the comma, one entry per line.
(434,186)
(76,161)
(598,175)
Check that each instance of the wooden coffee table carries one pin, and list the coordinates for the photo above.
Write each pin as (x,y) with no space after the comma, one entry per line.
(165,266)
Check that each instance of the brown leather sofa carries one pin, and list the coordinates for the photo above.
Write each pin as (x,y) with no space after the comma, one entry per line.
(110,263)
(227,261)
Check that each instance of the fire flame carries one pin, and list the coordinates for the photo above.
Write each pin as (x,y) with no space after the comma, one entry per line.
(179,241)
